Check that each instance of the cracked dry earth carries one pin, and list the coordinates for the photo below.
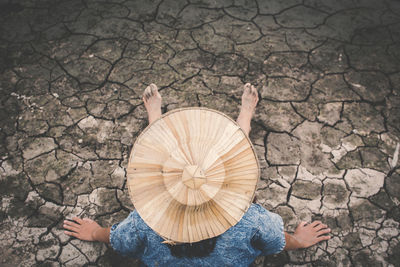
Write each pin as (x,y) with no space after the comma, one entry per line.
(327,124)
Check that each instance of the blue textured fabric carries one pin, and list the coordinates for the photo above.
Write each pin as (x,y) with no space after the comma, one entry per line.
(259,232)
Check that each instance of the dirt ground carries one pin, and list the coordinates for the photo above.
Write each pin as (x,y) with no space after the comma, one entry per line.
(325,130)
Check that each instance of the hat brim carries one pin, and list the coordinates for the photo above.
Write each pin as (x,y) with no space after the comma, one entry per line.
(190,137)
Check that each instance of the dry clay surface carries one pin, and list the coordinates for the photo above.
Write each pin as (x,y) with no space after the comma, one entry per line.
(325,130)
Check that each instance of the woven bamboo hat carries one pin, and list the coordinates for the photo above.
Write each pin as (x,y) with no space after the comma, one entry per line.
(192,174)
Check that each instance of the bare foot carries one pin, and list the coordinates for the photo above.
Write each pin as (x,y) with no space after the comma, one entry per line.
(84,229)
(152,102)
(310,234)
(249,103)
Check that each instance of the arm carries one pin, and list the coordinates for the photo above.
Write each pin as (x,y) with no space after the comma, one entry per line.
(87,229)
(102,235)
(307,235)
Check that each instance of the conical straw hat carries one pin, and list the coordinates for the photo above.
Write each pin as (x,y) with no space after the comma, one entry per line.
(192,174)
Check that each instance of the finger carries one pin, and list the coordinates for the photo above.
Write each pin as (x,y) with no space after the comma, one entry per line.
(302,224)
(72,224)
(71,234)
(315,223)
(324,231)
(69,227)
(144,99)
(78,220)
(320,226)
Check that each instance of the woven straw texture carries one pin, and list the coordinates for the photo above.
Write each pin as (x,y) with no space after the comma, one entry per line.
(192,174)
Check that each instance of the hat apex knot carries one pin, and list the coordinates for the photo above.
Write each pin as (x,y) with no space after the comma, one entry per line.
(193,176)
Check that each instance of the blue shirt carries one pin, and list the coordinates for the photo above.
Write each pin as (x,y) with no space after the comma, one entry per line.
(259,232)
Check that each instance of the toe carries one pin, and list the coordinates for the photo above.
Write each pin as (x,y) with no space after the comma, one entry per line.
(247,88)
(147,93)
(254,91)
(153,88)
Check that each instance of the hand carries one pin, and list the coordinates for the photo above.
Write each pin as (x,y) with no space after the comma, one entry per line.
(84,229)
(310,234)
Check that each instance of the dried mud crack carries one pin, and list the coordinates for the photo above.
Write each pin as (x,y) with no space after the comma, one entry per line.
(325,130)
